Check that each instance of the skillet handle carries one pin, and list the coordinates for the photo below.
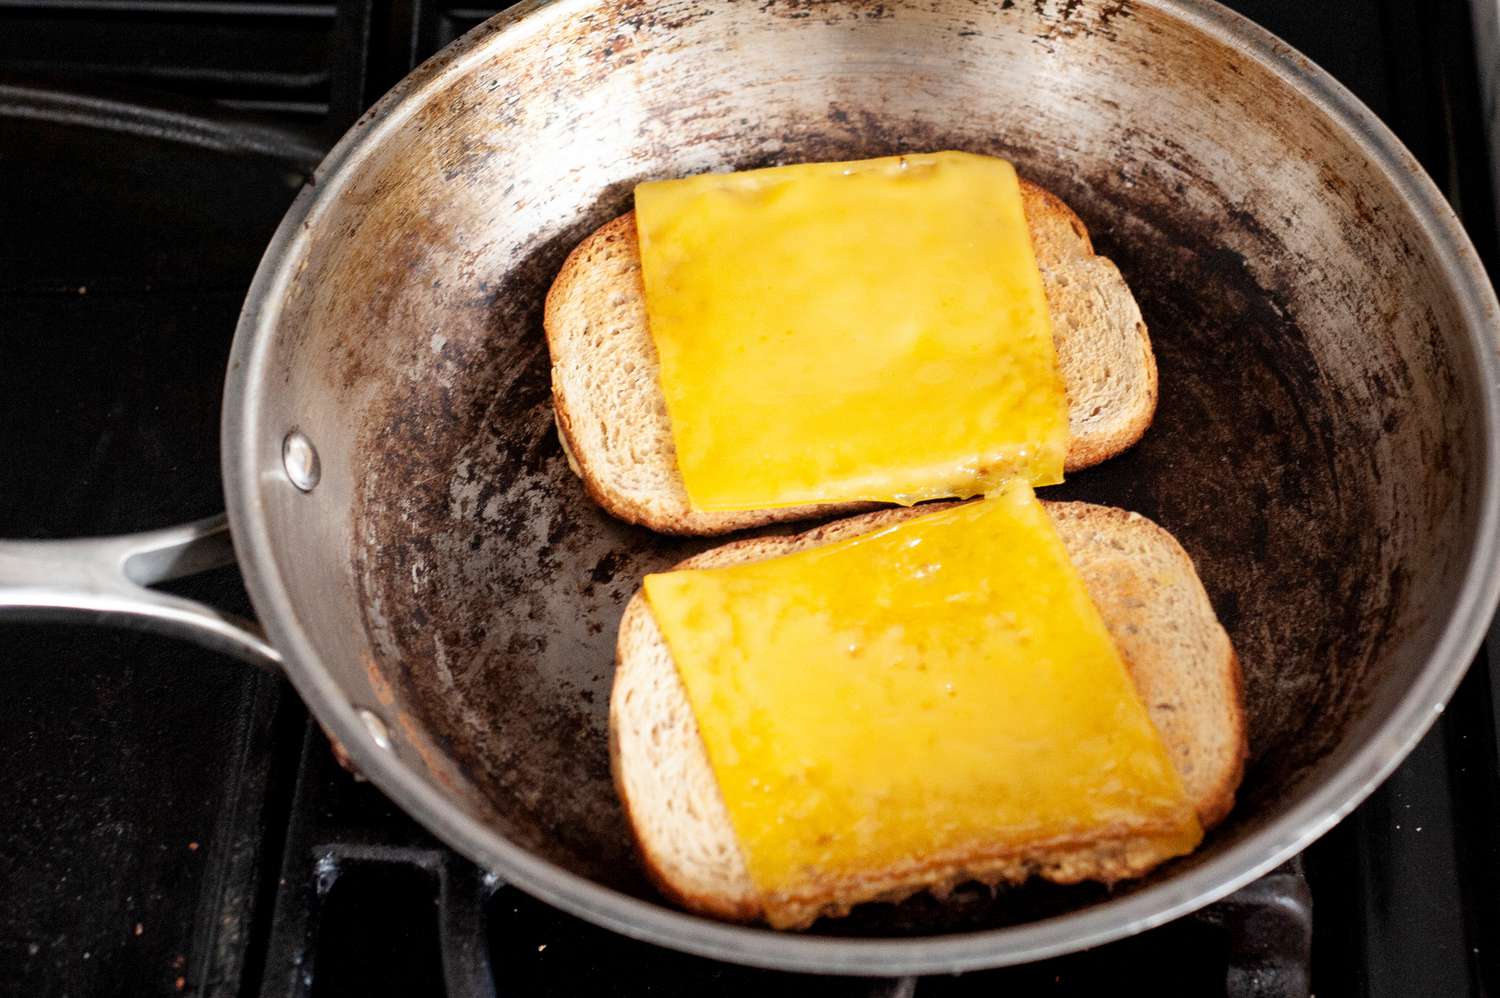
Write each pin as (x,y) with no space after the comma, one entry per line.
(107,580)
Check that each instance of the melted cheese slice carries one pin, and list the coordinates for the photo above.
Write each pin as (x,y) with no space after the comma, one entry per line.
(943,690)
(836,331)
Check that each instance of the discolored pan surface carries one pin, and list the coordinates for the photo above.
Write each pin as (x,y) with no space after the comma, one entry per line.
(1309,449)
(515,636)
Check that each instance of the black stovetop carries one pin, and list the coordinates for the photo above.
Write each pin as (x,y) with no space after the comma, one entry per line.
(171,822)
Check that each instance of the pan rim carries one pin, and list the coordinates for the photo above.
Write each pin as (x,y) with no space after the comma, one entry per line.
(1307,818)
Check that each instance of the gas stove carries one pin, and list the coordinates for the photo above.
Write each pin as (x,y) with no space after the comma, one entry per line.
(173,823)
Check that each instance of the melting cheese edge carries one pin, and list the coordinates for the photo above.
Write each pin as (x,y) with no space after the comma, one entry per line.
(942,690)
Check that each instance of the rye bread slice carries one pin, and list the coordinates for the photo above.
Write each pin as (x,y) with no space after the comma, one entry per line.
(1151,600)
(612,418)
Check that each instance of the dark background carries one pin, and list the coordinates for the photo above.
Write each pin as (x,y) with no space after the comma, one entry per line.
(169,820)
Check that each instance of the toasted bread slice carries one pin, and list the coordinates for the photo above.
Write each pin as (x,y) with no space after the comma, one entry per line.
(1152,602)
(612,418)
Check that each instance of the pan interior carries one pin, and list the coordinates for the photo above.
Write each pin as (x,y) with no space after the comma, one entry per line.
(1311,449)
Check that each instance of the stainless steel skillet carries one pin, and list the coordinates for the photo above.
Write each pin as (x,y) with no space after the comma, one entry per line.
(443,595)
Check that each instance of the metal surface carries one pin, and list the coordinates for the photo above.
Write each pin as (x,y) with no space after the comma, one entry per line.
(300,460)
(379,733)
(1486,17)
(1324,447)
(106,581)
(367,904)
(141,772)
(1270,929)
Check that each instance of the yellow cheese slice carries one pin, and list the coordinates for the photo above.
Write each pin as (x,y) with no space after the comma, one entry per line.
(940,690)
(836,331)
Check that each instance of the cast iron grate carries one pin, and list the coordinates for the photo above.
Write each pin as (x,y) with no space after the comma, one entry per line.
(367,904)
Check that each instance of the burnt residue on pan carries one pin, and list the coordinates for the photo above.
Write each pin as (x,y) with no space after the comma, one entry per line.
(1242,465)
(500,583)
(1309,448)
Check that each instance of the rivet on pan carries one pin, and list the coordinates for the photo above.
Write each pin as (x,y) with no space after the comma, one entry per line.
(300,460)
(376,727)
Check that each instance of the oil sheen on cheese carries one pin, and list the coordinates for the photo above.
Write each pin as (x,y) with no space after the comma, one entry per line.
(866,330)
(940,688)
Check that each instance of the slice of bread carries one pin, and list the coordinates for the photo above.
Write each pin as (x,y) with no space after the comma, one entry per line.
(612,418)
(1152,602)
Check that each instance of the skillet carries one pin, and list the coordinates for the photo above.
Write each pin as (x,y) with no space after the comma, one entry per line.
(432,579)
